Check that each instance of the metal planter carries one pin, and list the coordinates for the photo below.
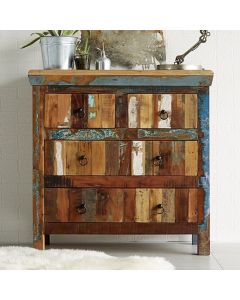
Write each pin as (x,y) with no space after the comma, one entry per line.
(58,52)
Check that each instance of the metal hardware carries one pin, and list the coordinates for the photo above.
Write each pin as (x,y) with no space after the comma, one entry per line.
(58,51)
(81,209)
(203,38)
(163,114)
(160,209)
(158,160)
(179,67)
(80,112)
(83,160)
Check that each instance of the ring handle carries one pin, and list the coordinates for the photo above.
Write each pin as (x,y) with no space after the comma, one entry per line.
(159,209)
(158,160)
(163,114)
(83,160)
(81,209)
(80,112)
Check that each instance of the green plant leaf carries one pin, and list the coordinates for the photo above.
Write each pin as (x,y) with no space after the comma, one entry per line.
(68,32)
(52,32)
(32,42)
(38,33)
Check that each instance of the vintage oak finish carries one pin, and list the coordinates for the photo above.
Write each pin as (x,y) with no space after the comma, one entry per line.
(121,152)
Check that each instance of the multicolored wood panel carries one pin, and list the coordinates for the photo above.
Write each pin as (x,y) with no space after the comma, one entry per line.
(123,205)
(121,158)
(126,111)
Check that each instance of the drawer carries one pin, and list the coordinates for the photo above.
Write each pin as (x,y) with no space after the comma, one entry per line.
(123,205)
(121,158)
(125,111)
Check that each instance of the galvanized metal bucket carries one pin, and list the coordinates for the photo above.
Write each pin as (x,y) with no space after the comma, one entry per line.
(58,52)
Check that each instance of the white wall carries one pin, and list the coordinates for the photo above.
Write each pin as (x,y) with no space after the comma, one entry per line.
(221,54)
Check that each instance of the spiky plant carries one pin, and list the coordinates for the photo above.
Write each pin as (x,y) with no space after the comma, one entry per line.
(50,33)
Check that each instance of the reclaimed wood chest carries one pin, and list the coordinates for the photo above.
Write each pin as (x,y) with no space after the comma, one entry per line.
(121,152)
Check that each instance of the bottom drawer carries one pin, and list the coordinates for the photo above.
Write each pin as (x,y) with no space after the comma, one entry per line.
(123,205)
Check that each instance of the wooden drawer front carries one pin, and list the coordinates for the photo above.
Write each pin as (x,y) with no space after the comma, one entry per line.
(121,158)
(123,205)
(126,111)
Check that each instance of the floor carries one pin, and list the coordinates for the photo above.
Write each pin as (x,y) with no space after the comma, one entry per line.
(181,255)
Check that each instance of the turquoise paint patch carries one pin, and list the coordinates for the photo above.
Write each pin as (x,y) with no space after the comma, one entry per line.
(91,101)
(92,115)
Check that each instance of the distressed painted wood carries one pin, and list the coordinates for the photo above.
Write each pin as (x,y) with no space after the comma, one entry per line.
(204,228)
(38,167)
(122,181)
(121,78)
(119,121)
(56,205)
(121,134)
(121,228)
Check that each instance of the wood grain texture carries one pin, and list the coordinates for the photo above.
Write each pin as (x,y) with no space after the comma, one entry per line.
(146,111)
(168,202)
(121,78)
(56,205)
(79,111)
(121,111)
(181,205)
(191,111)
(121,228)
(38,167)
(57,110)
(142,205)
(191,158)
(122,181)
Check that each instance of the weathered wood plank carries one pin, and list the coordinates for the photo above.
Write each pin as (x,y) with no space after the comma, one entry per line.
(112,155)
(138,158)
(142,205)
(124,158)
(109,206)
(121,78)
(164,103)
(121,134)
(178,158)
(107,102)
(121,111)
(122,181)
(178,111)
(146,111)
(155,198)
(56,205)
(79,111)
(133,111)
(98,158)
(191,158)
(94,111)
(191,111)
(181,205)
(57,110)
(129,205)
(193,205)
(168,202)
(38,167)
(121,228)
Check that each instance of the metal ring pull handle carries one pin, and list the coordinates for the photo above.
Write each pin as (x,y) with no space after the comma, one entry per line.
(80,112)
(81,209)
(158,160)
(160,209)
(163,114)
(83,160)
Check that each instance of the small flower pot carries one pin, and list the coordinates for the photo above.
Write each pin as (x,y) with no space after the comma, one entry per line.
(82,62)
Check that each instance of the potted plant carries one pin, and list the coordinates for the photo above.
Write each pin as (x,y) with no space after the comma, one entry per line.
(82,54)
(58,48)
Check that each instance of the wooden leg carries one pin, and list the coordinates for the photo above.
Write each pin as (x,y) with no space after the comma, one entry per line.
(47,239)
(40,244)
(204,240)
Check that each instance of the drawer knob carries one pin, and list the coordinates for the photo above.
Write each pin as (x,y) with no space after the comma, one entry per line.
(79,112)
(163,114)
(160,209)
(81,209)
(158,160)
(83,160)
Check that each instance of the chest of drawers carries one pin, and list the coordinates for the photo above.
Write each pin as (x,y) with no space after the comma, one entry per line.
(121,152)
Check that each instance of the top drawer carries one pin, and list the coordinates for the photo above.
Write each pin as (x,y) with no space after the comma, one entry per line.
(121,111)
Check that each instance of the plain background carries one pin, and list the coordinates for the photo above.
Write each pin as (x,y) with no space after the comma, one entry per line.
(220,54)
